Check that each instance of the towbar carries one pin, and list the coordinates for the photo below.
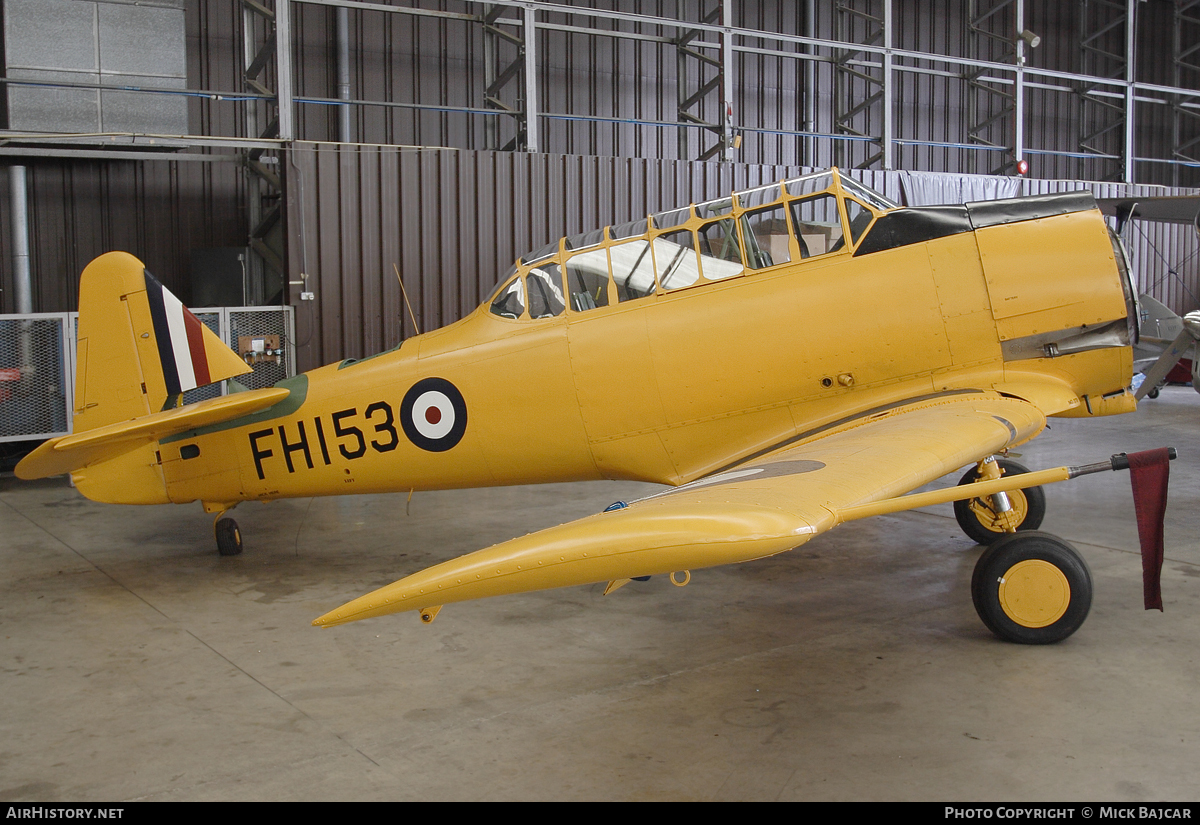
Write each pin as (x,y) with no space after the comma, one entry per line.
(1120,461)
(978,489)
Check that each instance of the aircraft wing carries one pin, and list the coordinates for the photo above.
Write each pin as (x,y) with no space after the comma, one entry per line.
(761,507)
(1170,209)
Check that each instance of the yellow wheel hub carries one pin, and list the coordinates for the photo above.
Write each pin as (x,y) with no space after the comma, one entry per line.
(991,520)
(1034,593)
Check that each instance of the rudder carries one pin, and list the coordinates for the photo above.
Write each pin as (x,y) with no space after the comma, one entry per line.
(139,348)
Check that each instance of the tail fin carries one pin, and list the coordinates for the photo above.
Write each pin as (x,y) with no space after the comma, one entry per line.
(1157,323)
(139,348)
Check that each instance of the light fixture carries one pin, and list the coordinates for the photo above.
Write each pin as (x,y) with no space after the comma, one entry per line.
(1031,39)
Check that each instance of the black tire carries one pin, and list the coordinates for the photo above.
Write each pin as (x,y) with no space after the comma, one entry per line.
(974,514)
(229,537)
(1032,588)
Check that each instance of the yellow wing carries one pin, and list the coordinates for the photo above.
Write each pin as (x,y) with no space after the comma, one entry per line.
(762,507)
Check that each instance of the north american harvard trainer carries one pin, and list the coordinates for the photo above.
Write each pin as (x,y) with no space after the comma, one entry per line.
(787,358)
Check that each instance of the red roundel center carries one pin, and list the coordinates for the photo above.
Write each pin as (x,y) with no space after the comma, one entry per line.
(433,415)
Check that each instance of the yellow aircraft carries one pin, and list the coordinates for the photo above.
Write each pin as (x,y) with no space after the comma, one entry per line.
(788,358)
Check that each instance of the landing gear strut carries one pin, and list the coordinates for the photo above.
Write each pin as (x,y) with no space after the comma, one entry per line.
(987,518)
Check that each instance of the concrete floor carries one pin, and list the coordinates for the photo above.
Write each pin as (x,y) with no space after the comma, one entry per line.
(136,664)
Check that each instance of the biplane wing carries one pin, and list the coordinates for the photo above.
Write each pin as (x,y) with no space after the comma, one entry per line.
(1165,337)
(765,506)
(1170,209)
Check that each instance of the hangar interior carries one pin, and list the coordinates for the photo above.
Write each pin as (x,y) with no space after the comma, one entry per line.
(335,159)
(440,137)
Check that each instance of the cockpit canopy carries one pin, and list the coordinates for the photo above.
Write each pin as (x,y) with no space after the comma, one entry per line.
(757,229)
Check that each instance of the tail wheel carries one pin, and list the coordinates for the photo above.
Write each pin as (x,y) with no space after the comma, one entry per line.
(229,537)
(1032,588)
(978,517)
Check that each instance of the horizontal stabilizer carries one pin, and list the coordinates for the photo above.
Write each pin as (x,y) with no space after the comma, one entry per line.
(74,452)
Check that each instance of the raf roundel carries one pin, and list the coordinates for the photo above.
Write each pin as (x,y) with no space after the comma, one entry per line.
(433,414)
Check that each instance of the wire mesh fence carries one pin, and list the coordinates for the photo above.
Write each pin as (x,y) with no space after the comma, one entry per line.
(35,377)
(37,363)
(263,336)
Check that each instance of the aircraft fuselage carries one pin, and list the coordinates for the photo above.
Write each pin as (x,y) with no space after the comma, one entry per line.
(681,382)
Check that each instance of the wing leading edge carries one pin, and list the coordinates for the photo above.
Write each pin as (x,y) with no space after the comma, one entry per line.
(772,504)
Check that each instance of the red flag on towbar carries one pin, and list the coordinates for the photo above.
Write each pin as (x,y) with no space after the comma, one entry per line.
(1149,472)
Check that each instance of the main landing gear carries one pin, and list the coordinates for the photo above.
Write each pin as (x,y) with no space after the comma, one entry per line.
(1028,587)
(988,518)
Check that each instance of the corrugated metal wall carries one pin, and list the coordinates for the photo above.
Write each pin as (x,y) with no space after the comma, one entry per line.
(453,221)
(159,211)
(593,88)
(214,61)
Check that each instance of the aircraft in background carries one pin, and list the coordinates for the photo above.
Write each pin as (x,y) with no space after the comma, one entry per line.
(1165,338)
(788,358)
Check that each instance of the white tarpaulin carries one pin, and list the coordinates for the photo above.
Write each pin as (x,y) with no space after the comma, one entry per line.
(924,189)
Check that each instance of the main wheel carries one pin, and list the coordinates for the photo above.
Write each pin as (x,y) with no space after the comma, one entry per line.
(1032,588)
(979,519)
(229,537)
